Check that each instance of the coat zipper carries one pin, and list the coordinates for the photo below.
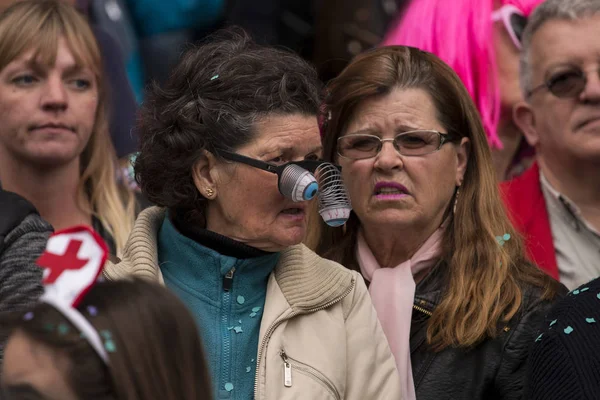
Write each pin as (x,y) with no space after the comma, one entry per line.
(275,324)
(287,370)
(228,280)
(421,309)
(289,362)
(225,308)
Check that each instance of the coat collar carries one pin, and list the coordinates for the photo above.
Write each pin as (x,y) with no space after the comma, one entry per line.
(429,292)
(306,280)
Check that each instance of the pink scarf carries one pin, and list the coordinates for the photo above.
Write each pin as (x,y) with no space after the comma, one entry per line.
(392,292)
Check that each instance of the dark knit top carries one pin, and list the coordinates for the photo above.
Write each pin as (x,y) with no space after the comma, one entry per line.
(565,358)
(20,277)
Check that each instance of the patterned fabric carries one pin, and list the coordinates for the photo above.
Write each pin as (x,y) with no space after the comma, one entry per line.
(565,358)
(226,294)
(20,277)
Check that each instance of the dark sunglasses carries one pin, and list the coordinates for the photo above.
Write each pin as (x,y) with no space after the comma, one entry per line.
(564,84)
(309,165)
(295,179)
(514,21)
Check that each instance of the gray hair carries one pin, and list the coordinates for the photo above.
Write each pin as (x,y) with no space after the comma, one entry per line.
(567,10)
(211,102)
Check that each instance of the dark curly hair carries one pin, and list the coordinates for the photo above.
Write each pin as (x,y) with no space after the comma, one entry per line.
(211,102)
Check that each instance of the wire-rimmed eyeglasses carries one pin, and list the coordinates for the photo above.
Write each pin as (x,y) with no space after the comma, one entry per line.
(412,143)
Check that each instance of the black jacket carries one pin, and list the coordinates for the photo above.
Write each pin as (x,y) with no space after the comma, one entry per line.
(494,369)
(565,359)
(23,237)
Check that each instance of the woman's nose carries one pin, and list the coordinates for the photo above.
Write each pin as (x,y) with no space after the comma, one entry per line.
(54,95)
(388,157)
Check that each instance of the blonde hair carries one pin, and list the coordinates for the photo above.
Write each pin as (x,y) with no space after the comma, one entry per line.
(485,279)
(38,26)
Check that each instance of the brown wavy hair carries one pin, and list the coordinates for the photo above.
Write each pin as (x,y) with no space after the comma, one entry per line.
(158,351)
(38,25)
(485,280)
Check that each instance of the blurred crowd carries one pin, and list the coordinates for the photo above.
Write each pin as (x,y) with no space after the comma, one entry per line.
(359,199)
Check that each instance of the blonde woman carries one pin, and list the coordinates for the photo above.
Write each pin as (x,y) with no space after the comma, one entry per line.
(55,148)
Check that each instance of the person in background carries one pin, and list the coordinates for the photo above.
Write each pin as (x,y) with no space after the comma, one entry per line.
(279,322)
(113,30)
(556,204)
(23,237)
(164,28)
(481,42)
(127,340)
(345,28)
(55,147)
(122,102)
(565,358)
(457,298)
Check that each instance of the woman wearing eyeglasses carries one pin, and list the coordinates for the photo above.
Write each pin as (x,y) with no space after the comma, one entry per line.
(457,299)
(481,41)
(217,143)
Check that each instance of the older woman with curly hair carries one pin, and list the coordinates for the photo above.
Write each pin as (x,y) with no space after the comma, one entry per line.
(278,321)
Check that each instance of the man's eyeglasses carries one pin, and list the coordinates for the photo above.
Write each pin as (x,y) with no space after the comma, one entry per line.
(514,21)
(413,143)
(564,84)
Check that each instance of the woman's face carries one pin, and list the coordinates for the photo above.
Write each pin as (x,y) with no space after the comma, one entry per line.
(47,113)
(247,205)
(33,371)
(402,192)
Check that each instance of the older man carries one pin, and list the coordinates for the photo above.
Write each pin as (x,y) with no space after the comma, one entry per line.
(556,204)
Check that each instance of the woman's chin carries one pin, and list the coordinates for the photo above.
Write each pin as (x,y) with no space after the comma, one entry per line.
(290,236)
(389,217)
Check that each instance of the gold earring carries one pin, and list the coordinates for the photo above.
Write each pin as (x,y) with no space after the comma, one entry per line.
(456,199)
(209,192)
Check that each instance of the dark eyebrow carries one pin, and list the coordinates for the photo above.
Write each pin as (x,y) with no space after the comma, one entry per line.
(560,67)
(406,128)
(399,129)
(35,66)
(21,389)
(289,150)
(366,131)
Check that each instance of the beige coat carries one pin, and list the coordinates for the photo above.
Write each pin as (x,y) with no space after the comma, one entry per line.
(319,334)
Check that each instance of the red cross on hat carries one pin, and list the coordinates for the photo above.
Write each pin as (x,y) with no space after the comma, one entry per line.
(72,262)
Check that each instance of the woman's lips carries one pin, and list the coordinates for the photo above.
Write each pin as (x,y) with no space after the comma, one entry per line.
(52,129)
(293,213)
(390,196)
(390,191)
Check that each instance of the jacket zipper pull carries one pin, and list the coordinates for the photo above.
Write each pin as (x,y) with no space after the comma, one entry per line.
(228,280)
(287,370)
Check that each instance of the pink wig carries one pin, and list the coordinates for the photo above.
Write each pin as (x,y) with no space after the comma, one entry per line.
(460,33)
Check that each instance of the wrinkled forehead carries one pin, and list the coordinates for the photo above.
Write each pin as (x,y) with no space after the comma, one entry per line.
(559,43)
(288,133)
(402,109)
